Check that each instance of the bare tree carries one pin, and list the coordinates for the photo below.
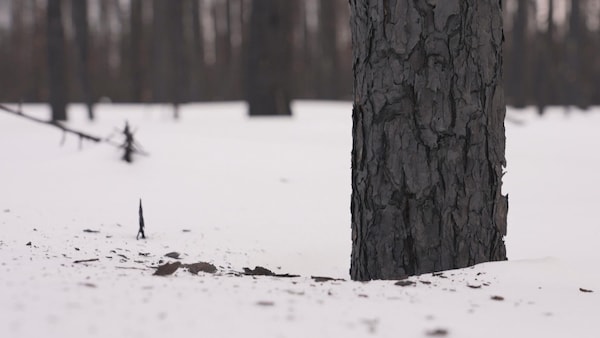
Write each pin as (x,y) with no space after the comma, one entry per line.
(575,94)
(516,80)
(268,59)
(168,66)
(160,51)
(79,13)
(56,61)
(198,77)
(178,80)
(328,57)
(428,137)
(136,27)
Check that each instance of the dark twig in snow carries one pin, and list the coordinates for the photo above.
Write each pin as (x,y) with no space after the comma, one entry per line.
(141,229)
(86,260)
(129,145)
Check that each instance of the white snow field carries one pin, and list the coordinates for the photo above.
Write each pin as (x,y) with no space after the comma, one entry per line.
(219,187)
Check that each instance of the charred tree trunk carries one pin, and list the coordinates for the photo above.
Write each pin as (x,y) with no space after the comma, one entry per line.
(79,10)
(56,61)
(428,137)
(268,59)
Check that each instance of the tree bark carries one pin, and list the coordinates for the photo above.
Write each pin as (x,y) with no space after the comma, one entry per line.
(268,59)
(428,136)
(56,61)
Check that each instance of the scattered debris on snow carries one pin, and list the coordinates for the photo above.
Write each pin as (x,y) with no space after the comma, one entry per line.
(174,255)
(167,269)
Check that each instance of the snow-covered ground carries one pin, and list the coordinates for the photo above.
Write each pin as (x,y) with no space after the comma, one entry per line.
(221,188)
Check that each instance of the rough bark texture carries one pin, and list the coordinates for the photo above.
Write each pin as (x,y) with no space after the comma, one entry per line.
(268,59)
(428,136)
(56,61)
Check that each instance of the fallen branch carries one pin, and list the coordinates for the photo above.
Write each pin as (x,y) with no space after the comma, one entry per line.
(56,124)
(129,268)
(87,260)
(130,145)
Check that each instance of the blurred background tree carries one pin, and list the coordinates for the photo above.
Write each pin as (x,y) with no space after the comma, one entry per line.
(195,50)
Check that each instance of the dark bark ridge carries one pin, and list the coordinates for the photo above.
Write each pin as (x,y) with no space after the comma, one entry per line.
(428,136)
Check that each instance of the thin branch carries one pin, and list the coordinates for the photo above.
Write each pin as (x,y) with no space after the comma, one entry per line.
(136,148)
(86,260)
(52,123)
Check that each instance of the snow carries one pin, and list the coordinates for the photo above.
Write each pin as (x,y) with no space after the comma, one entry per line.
(275,193)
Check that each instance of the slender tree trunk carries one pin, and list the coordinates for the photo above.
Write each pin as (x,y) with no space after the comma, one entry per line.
(574,75)
(79,10)
(328,60)
(517,88)
(552,93)
(20,64)
(177,76)
(428,136)
(56,61)
(160,51)
(37,55)
(268,60)
(136,29)
(199,72)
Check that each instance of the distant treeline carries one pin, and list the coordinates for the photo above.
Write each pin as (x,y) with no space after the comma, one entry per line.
(132,50)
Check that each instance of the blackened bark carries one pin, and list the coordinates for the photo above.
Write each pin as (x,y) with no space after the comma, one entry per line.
(79,10)
(428,136)
(56,61)
(268,60)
